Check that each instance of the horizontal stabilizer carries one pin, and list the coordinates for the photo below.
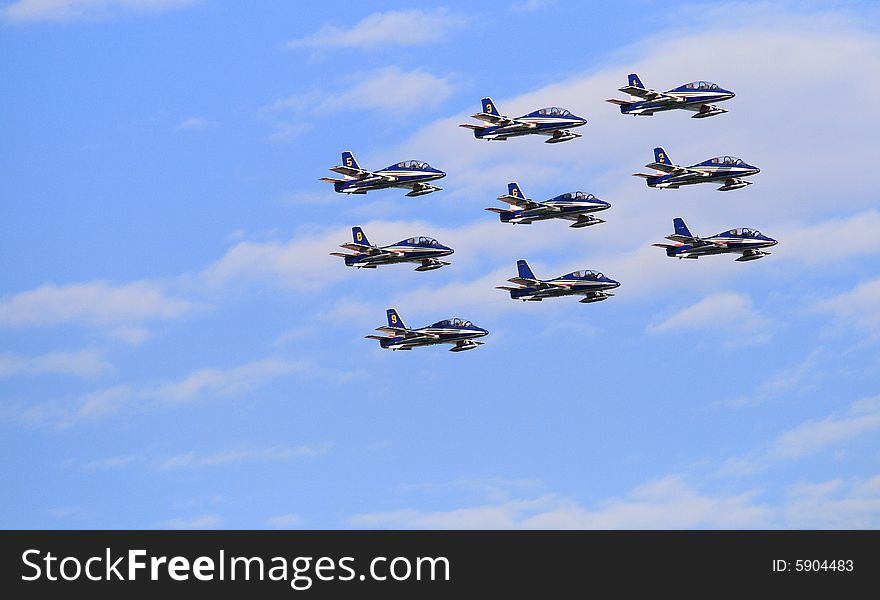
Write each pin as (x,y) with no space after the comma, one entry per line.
(618,102)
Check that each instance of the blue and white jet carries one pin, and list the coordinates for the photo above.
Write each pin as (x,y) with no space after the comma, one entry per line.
(748,242)
(696,96)
(590,284)
(553,121)
(727,170)
(420,249)
(398,336)
(572,206)
(410,174)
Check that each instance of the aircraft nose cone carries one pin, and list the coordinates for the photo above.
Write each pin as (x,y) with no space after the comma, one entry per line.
(449,250)
(614,283)
(772,241)
(756,170)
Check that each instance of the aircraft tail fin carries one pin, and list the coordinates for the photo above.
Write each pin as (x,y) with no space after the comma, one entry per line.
(394,319)
(661,157)
(348,160)
(514,190)
(681,228)
(524,270)
(633,81)
(489,107)
(359,237)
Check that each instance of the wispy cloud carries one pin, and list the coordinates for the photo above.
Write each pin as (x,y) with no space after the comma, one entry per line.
(208,521)
(414,90)
(194,123)
(25,11)
(785,381)
(198,385)
(236,456)
(80,363)
(531,5)
(96,303)
(667,503)
(391,28)
(858,308)
(287,521)
(727,313)
(810,438)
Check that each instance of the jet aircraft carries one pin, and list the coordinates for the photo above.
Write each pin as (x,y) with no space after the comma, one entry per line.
(411,174)
(419,249)
(590,284)
(552,121)
(696,96)
(572,206)
(747,242)
(726,170)
(398,336)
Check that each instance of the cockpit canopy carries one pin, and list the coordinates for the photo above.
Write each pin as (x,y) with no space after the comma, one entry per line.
(421,241)
(727,160)
(588,274)
(453,323)
(701,85)
(746,232)
(412,164)
(578,196)
(554,111)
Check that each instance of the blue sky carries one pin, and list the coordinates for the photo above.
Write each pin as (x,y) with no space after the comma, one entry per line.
(177,349)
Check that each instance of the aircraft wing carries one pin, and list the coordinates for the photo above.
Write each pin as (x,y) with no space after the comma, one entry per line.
(685,239)
(409,334)
(643,93)
(361,174)
(494,119)
(671,169)
(520,202)
(364,249)
(537,283)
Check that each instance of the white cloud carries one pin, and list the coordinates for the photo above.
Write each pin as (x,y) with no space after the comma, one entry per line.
(668,503)
(811,437)
(226,382)
(96,303)
(785,381)
(831,240)
(414,90)
(24,11)
(834,504)
(391,28)
(726,313)
(858,308)
(198,385)
(287,521)
(194,123)
(208,521)
(81,363)
(228,457)
(531,5)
